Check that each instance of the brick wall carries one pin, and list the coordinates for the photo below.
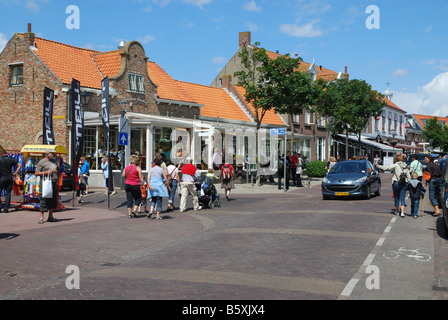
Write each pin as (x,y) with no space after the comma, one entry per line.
(21,106)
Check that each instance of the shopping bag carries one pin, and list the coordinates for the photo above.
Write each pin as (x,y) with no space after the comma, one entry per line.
(47,187)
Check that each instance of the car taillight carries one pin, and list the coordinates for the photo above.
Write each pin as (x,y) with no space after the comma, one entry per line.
(64,175)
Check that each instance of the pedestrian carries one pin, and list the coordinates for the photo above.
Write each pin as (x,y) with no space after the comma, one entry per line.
(173,180)
(85,170)
(105,167)
(6,178)
(417,167)
(416,190)
(81,183)
(399,182)
(133,177)
(227,179)
(331,163)
(144,202)
(48,166)
(377,160)
(299,170)
(434,183)
(190,175)
(158,188)
(294,159)
(282,162)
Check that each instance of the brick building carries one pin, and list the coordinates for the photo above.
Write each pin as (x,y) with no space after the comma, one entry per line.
(153,102)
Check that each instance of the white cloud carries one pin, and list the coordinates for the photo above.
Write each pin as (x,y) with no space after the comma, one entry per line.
(252,26)
(431,99)
(3,41)
(400,73)
(302,31)
(251,6)
(146,39)
(198,3)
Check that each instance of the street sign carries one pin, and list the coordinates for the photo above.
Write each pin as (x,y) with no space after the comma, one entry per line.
(278,131)
(123,125)
(123,139)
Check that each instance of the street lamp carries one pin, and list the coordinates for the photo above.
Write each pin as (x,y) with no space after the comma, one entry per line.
(85,98)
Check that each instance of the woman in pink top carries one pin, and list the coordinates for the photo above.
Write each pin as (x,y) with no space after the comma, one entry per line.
(133,177)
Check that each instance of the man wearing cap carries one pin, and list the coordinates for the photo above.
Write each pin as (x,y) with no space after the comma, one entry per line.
(6,166)
(190,174)
(48,166)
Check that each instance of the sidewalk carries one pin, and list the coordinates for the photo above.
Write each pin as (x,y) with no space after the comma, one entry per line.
(411,262)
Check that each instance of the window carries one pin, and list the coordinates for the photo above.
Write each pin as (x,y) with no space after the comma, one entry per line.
(16,75)
(136,83)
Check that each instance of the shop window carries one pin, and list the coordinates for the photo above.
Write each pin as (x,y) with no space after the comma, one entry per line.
(136,83)
(17,75)
(162,142)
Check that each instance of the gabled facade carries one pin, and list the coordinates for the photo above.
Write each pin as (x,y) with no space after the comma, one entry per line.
(311,138)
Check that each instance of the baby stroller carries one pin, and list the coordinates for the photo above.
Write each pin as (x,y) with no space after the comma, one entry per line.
(208,195)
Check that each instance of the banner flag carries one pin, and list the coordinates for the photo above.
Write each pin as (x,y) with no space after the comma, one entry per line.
(77,129)
(48,117)
(106,124)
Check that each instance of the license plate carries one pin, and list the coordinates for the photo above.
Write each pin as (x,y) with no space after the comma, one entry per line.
(341,194)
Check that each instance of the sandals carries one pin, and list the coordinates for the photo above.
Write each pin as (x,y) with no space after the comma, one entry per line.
(41,221)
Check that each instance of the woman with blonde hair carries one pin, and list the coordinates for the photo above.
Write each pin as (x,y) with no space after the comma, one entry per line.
(398,184)
(133,177)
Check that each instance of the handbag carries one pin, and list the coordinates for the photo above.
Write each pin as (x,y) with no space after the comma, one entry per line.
(47,187)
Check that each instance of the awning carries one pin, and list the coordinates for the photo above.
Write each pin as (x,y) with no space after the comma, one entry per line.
(407,146)
(42,148)
(370,143)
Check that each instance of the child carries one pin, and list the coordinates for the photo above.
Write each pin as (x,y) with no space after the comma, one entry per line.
(416,190)
(82,184)
(143,203)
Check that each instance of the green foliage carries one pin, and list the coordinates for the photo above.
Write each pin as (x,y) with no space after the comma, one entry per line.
(316,168)
(437,132)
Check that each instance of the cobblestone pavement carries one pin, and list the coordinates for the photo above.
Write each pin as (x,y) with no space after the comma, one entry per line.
(264,244)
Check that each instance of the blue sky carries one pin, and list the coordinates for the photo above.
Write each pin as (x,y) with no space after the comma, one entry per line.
(193,39)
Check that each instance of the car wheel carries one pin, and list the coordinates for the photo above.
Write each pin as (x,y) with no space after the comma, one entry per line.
(368,192)
(445,226)
(378,192)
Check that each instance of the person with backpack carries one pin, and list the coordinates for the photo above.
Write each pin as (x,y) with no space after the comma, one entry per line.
(227,179)
(417,167)
(400,178)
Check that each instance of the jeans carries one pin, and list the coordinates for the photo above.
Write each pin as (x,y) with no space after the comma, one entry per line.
(281,176)
(433,191)
(173,191)
(399,193)
(7,185)
(299,180)
(415,203)
(156,203)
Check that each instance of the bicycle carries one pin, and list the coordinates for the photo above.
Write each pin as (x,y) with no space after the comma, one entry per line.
(408,253)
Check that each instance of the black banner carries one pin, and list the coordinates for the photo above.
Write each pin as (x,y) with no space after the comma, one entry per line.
(48,117)
(106,124)
(77,129)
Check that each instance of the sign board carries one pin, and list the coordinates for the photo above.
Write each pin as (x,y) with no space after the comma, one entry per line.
(123,125)
(278,131)
(123,139)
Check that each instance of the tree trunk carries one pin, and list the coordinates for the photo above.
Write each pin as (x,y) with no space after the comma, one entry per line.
(346,145)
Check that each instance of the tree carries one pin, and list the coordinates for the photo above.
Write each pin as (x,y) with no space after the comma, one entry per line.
(351,103)
(437,132)
(294,90)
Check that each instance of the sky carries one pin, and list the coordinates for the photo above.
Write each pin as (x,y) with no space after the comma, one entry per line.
(400,44)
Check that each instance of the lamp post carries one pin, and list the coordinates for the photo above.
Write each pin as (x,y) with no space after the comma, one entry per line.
(85,98)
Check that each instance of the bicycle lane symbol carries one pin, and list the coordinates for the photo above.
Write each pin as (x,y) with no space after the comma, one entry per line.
(410,253)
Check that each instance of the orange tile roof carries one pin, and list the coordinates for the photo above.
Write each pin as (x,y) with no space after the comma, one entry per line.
(169,88)
(108,63)
(216,102)
(68,62)
(421,117)
(392,105)
(322,73)
(270,117)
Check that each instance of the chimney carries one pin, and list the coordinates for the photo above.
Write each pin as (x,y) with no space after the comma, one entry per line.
(245,39)
(226,81)
(346,76)
(29,36)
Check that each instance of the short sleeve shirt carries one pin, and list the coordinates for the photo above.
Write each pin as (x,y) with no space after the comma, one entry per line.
(45,165)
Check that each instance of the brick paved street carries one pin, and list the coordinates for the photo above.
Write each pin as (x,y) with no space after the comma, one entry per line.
(264,244)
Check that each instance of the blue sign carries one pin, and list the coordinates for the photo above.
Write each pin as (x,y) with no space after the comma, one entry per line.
(123,139)
(278,131)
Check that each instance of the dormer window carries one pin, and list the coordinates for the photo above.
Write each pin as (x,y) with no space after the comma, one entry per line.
(136,83)
(16,75)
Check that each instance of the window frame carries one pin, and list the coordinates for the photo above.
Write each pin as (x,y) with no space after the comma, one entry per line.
(136,83)
(16,75)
